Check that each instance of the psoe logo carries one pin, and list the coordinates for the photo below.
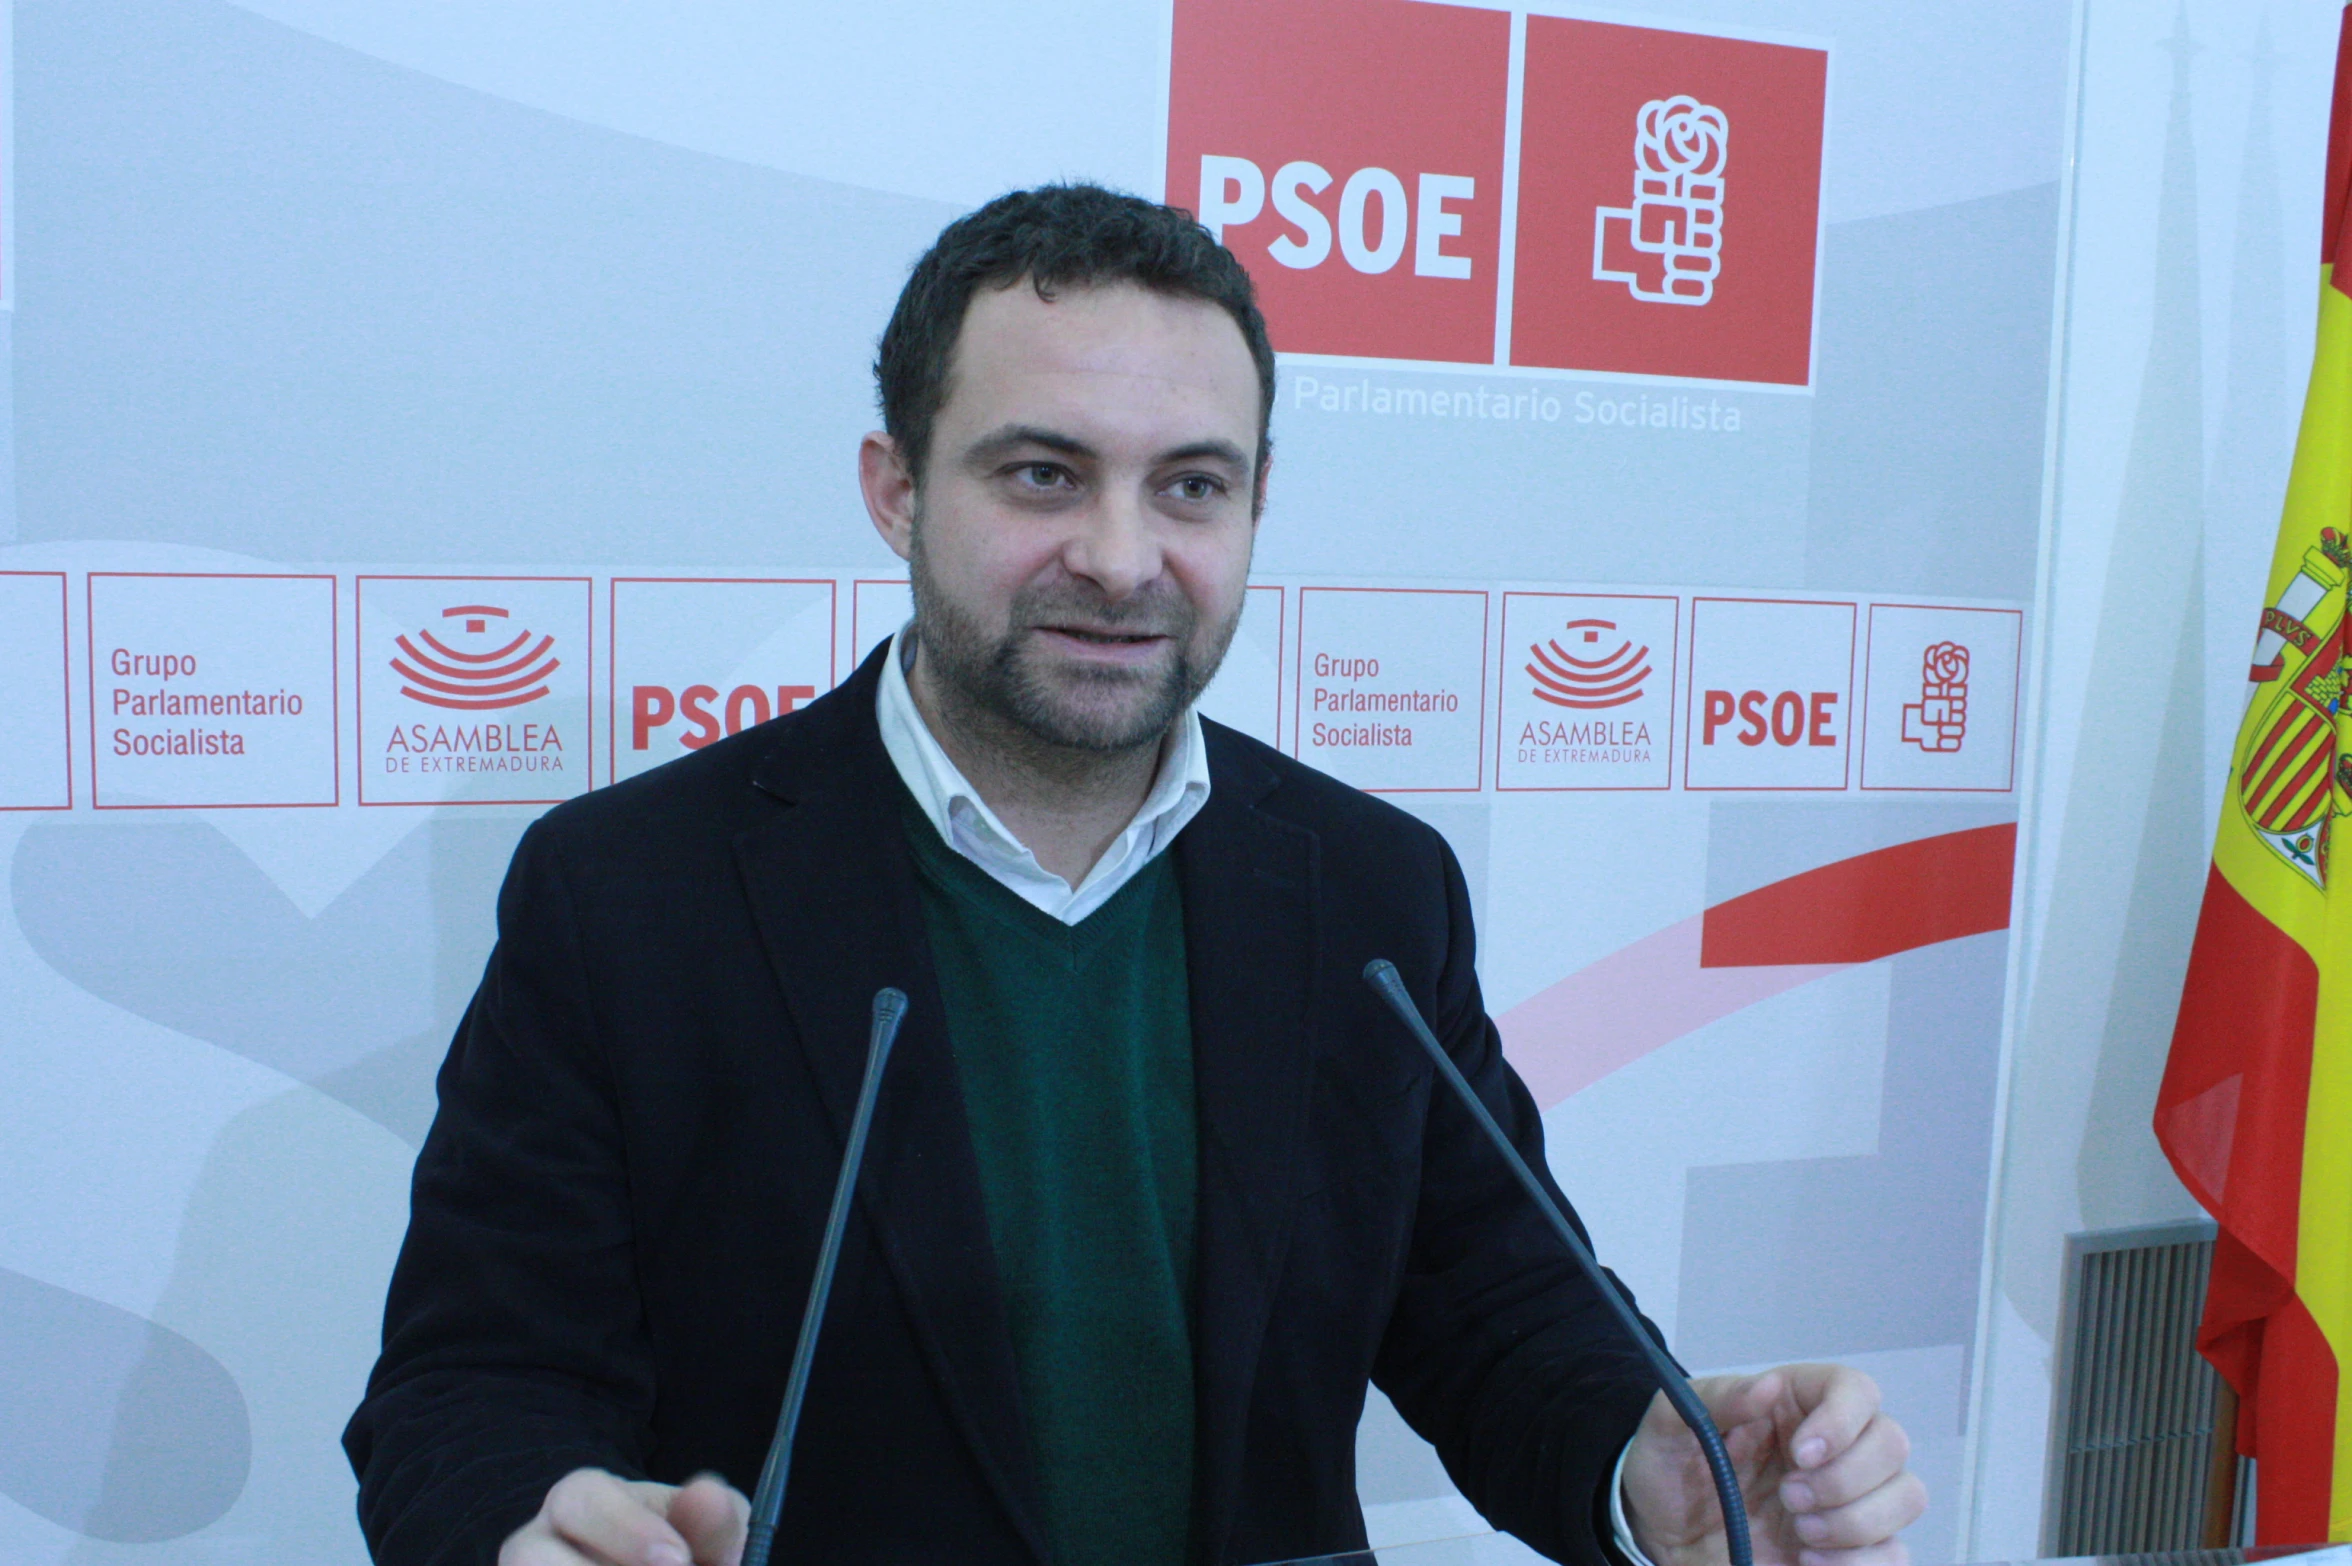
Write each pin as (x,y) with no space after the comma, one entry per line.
(652,707)
(1938,720)
(1351,154)
(1233,192)
(479,667)
(1406,182)
(1670,241)
(1607,679)
(1688,276)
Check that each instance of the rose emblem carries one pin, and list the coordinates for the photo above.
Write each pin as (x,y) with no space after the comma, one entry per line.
(1682,136)
(1945,663)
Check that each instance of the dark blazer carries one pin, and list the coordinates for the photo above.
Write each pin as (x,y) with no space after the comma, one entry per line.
(616,1214)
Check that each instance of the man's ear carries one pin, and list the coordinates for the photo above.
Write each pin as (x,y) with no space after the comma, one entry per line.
(888,484)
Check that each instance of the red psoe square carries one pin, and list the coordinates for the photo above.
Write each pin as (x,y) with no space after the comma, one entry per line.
(1350,152)
(1669,203)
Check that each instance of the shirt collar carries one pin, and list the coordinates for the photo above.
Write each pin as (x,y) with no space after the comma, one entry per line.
(965,822)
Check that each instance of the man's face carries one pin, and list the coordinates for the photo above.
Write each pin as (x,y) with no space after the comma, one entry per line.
(1080,542)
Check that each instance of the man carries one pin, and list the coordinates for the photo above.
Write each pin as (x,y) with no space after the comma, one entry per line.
(1155,1186)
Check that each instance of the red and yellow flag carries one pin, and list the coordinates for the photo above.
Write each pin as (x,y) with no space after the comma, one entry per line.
(2256,1107)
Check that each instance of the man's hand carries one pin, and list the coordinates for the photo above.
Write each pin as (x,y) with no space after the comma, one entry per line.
(592,1518)
(1820,1466)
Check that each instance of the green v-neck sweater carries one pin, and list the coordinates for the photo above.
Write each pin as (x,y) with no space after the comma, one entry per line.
(1073,1045)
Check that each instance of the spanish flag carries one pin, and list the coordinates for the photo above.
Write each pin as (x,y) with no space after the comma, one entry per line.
(2256,1108)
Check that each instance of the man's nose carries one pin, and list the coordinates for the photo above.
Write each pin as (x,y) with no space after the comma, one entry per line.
(1115,548)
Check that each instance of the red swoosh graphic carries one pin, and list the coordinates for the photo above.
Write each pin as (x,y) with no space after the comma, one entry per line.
(1642,997)
(1871,906)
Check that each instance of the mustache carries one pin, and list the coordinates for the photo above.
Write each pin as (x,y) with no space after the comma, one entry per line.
(1166,613)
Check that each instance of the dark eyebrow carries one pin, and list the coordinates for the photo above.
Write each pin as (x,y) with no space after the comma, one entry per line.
(1004,441)
(1213,450)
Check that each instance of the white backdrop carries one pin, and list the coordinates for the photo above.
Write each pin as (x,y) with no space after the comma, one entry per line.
(422,414)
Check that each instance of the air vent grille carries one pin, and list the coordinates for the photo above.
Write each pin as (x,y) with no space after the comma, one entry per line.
(2134,1462)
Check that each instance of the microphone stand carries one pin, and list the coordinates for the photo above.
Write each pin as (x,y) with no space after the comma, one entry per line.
(767,1502)
(1382,975)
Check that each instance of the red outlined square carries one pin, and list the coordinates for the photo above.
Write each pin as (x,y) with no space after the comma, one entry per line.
(1602,715)
(1236,698)
(426,730)
(1685,167)
(712,672)
(1389,697)
(1772,650)
(1387,96)
(1906,742)
(228,732)
(26,750)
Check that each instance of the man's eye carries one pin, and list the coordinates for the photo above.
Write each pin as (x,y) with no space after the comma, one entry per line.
(1198,487)
(1041,475)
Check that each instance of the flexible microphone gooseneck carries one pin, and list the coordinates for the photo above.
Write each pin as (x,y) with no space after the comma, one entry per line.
(1382,975)
(767,1502)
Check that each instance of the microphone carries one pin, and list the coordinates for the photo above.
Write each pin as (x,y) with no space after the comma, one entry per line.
(767,1502)
(1382,975)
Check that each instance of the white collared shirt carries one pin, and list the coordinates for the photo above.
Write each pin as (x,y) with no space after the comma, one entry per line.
(967,825)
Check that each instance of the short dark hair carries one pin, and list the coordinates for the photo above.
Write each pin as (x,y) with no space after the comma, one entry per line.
(1056,236)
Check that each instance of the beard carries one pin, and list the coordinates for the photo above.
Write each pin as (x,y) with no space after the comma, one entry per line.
(1011,682)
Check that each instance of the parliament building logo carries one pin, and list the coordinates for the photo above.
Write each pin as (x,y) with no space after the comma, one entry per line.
(484,671)
(473,691)
(1356,155)
(1587,684)
(1588,691)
